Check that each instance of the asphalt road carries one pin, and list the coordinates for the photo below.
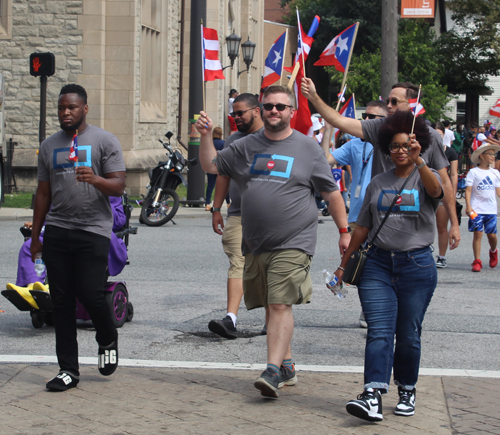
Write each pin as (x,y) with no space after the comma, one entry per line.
(176,281)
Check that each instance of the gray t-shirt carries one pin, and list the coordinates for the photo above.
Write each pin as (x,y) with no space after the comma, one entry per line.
(79,206)
(411,224)
(276,181)
(434,156)
(234,193)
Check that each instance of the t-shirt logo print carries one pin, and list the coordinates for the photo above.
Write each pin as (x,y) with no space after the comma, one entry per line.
(263,163)
(486,184)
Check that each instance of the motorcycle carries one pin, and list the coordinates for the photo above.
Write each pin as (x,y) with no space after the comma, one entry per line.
(162,202)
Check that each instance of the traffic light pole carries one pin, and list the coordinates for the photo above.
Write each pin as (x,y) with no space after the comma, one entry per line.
(43,109)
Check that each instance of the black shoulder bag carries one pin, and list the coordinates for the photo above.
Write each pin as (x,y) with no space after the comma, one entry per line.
(357,260)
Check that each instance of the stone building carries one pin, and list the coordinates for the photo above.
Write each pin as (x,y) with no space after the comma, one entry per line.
(132,56)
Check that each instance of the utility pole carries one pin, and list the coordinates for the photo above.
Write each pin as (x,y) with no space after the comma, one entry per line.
(389,49)
(196,176)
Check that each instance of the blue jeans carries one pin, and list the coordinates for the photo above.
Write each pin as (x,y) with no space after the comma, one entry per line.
(395,291)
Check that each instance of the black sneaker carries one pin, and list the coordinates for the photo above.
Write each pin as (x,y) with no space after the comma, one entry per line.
(406,404)
(287,376)
(268,383)
(62,382)
(108,358)
(264,330)
(368,406)
(441,262)
(225,327)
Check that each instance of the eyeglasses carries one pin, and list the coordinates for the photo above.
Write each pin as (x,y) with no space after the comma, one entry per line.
(394,101)
(279,107)
(365,115)
(489,154)
(239,113)
(396,147)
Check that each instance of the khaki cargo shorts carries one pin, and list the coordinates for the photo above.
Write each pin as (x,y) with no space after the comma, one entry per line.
(231,242)
(278,277)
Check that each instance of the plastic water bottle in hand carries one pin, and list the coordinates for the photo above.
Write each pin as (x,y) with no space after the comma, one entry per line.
(332,283)
(39,264)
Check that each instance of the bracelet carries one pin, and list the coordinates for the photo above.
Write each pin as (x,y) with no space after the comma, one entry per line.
(341,268)
(215,209)
(421,164)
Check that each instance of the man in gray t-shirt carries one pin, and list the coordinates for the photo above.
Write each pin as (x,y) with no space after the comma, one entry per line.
(277,171)
(248,120)
(368,130)
(79,167)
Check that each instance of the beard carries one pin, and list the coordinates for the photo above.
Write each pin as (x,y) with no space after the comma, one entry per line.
(72,127)
(281,125)
(245,126)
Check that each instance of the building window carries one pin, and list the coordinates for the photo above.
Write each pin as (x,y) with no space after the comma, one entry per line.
(152,107)
(5,19)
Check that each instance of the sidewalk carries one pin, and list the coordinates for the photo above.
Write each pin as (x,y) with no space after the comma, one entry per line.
(204,401)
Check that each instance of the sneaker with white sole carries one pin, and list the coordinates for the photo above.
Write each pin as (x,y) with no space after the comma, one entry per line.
(406,404)
(268,383)
(62,382)
(362,321)
(287,376)
(368,406)
(441,262)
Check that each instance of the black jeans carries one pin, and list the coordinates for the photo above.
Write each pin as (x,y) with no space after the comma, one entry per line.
(77,268)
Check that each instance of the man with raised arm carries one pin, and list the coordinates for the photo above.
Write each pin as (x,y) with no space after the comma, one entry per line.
(277,171)
(368,129)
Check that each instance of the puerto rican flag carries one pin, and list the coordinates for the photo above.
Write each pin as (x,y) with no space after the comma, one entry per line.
(348,110)
(416,106)
(338,51)
(73,151)
(212,68)
(274,61)
(495,110)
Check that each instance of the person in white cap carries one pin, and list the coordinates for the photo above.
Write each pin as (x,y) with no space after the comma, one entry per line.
(318,126)
(482,187)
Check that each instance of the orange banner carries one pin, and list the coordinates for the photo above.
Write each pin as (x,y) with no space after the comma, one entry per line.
(417,8)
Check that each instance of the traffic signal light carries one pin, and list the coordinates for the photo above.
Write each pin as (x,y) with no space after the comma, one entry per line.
(42,64)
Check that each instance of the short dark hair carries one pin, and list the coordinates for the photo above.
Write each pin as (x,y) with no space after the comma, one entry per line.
(280,90)
(401,122)
(378,103)
(440,126)
(446,123)
(74,89)
(411,89)
(249,99)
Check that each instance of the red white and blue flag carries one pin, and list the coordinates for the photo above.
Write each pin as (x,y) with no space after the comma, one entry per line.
(338,51)
(348,110)
(416,106)
(274,61)
(212,68)
(73,151)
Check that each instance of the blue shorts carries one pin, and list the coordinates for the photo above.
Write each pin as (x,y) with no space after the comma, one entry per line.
(484,222)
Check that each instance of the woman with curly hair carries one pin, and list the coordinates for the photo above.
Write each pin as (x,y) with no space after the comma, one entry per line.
(400,275)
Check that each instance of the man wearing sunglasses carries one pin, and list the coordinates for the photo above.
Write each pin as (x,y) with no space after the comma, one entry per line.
(247,118)
(368,130)
(277,171)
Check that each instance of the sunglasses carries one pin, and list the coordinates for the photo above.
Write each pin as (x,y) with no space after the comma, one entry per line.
(394,101)
(396,147)
(279,107)
(365,115)
(239,113)
(489,154)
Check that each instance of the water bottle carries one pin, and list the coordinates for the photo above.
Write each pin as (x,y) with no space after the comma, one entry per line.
(332,283)
(39,264)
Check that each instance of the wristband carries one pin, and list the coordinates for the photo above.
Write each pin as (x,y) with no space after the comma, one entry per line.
(341,268)
(215,209)
(422,164)
(345,230)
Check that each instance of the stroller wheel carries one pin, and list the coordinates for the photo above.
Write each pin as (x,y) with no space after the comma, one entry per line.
(37,319)
(117,302)
(130,314)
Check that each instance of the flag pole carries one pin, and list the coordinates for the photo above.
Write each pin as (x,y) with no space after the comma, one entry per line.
(284,54)
(349,60)
(416,107)
(77,153)
(341,97)
(203,67)
(301,41)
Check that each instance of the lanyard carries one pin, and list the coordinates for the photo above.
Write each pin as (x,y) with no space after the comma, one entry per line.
(365,161)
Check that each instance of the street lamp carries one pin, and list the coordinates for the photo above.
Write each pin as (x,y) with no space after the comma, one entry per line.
(248,49)
(233,46)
